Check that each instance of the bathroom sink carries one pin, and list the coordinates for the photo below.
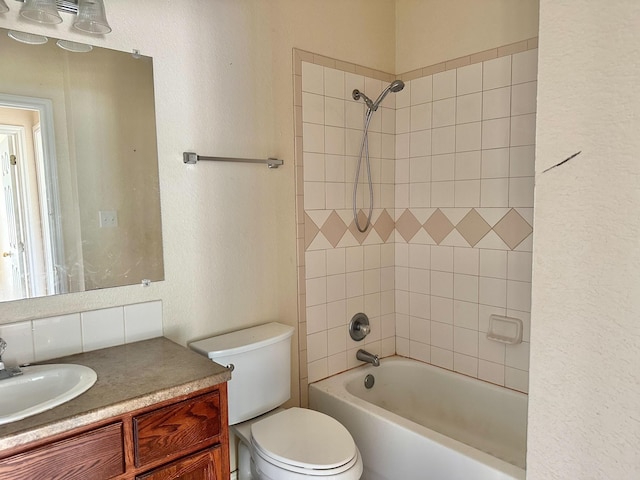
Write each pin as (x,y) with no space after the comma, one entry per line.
(42,387)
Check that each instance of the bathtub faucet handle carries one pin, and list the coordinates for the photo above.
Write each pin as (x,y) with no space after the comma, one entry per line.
(359,327)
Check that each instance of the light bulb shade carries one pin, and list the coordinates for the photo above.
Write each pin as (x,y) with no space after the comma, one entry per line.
(92,17)
(3,7)
(41,11)
(28,38)
(75,47)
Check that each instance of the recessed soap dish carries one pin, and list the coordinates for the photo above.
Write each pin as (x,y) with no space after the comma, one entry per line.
(505,329)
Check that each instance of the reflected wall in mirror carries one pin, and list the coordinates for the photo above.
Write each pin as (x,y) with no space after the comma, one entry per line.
(80,207)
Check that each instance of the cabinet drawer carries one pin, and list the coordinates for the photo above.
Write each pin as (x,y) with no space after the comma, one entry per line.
(95,454)
(169,430)
(205,465)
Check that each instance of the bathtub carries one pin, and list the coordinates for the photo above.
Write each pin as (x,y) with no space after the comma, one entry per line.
(421,422)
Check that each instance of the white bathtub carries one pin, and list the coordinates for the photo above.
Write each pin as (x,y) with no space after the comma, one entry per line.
(420,422)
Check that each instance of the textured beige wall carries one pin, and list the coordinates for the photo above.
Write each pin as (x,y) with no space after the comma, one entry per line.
(432,31)
(584,419)
(223,87)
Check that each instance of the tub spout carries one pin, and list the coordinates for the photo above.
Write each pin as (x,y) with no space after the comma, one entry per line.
(365,356)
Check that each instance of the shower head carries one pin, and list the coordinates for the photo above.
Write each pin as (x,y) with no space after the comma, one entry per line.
(394,87)
(357,94)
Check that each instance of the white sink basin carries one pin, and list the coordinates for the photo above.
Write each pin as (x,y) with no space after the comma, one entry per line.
(42,387)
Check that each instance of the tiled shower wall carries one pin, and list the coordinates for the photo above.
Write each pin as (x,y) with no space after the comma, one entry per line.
(453,164)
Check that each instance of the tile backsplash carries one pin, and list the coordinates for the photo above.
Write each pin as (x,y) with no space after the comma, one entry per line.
(53,337)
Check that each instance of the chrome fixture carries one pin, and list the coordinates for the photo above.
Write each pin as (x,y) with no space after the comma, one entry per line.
(90,14)
(369,381)
(372,106)
(359,327)
(4,371)
(192,158)
(365,356)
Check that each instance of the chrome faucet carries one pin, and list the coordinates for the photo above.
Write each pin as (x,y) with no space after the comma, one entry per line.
(4,371)
(3,347)
(365,356)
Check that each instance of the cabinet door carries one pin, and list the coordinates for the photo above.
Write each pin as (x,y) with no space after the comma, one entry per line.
(97,454)
(204,465)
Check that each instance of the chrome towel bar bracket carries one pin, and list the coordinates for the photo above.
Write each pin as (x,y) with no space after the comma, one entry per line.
(192,158)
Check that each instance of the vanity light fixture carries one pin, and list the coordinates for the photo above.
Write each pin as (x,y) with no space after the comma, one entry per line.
(41,11)
(90,14)
(75,47)
(28,38)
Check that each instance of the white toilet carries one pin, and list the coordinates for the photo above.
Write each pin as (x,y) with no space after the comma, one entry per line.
(277,444)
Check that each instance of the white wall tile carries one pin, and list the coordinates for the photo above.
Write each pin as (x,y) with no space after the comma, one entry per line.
(525,66)
(495,163)
(442,258)
(468,137)
(519,266)
(334,83)
(466,260)
(442,310)
(334,112)
(420,143)
(493,291)
(419,351)
(142,321)
(521,192)
(491,372)
(316,291)
(496,73)
(496,103)
(419,330)
(316,318)
(442,167)
(469,108)
(442,335)
(402,146)
(354,115)
(314,167)
(403,120)
(469,79)
(420,169)
(467,193)
(315,263)
(318,370)
(403,97)
(441,284)
(419,305)
(465,287)
(465,341)
(465,364)
(336,287)
(314,196)
(419,281)
(388,118)
(443,194)
(102,328)
(465,314)
(494,192)
(517,356)
(334,168)
(444,112)
(493,263)
(524,98)
(313,137)
(468,165)
(519,295)
(316,346)
(312,78)
(335,196)
(19,343)
(334,140)
(55,337)
(442,358)
(495,133)
(420,116)
(522,161)
(336,314)
(420,91)
(312,108)
(444,85)
(490,350)
(443,140)
(523,130)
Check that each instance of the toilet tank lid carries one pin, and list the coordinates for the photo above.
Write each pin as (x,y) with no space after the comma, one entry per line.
(244,340)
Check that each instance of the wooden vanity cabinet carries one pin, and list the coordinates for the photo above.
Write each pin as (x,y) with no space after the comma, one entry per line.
(185,438)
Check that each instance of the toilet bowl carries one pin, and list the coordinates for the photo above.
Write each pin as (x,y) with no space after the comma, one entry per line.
(277,443)
(298,444)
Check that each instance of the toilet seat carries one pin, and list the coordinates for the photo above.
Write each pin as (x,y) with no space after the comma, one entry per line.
(307,443)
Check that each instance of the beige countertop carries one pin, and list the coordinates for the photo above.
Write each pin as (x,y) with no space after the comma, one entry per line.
(130,377)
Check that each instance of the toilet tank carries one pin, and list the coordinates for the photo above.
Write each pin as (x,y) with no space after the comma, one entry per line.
(261,359)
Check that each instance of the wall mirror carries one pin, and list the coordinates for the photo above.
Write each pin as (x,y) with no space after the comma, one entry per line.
(80,207)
